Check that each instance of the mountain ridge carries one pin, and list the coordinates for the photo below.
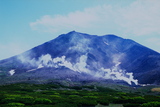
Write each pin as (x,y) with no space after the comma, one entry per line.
(107,57)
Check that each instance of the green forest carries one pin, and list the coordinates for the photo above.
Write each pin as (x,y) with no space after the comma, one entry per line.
(55,95)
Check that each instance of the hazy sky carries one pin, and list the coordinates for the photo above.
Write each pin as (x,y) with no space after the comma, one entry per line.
(25,24)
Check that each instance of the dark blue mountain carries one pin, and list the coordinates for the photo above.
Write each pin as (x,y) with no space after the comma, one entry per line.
(79,57)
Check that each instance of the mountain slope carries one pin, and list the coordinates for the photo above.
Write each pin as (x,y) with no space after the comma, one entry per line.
(82,57)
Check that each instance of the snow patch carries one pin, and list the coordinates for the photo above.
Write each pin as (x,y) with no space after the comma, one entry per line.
(31,70)
(144,85)
(11,72)
(40,66)
(106,43)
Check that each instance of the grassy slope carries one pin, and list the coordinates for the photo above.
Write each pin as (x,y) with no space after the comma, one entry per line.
(55,95)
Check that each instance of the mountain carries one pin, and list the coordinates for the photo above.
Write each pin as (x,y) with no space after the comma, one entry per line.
(79,57)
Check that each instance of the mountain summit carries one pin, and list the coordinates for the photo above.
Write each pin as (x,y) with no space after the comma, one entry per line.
(79,57)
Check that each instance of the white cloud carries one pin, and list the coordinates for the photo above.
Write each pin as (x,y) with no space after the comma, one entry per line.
(139,18)
(57,23)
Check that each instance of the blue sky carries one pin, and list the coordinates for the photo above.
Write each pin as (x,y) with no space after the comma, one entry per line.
(25,24)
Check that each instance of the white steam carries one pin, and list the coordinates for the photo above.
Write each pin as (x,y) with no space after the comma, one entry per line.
(25,58)
(48,61)
(81,65)
(61,61)
(114,73)
(80,43)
